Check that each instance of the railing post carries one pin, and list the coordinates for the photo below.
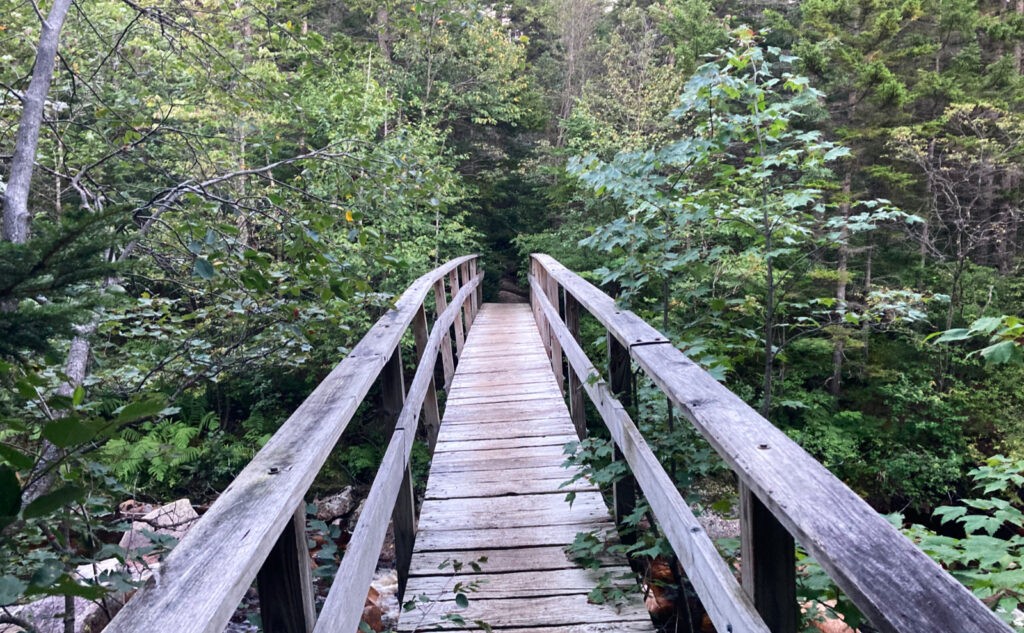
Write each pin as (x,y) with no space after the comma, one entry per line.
(538,315)
(285,581)
(621,383)
(441,304)
(577,403)
(431,415)
(392,384)
(460,334)
(467,305)
(475,299)
(403,520)
(768,563)
(554,346)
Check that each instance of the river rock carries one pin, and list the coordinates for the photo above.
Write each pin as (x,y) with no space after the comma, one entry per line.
(173,519)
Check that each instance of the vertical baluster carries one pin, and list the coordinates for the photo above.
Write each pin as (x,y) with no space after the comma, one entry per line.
(621,384)
(431,415)
(538,315)
(285,581)
(769,564)
(460,333)
(467,305)
(392,384)
(475,304)
(577,402)
(556,347)
(441,303)
(403,520)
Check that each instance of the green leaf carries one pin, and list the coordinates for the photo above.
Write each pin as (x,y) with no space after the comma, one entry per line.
(1002,352)
(461,600)
(53,501)
(11,589)
(140,409)
(46,574)
(15,457)
(365,628)
(204,269)
(957,334)
(67,432)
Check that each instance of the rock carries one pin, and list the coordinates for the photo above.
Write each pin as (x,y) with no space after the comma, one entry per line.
(173,519)
(334,506)
(47,615)
(132,509)
(385,583)
(352,520)
(825,620)
(372,612)
(718,526)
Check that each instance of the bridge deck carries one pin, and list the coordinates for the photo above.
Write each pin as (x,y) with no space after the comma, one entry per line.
(493,498)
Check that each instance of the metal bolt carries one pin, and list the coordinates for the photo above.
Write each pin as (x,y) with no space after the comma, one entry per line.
(763,447)
(274,470)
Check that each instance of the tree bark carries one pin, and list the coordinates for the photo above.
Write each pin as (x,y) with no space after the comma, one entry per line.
(15,200)
(842,268)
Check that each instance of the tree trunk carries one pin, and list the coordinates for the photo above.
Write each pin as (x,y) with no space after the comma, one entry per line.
(842,266)
(15,200)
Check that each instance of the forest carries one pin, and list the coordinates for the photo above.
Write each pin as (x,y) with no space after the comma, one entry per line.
(207,204)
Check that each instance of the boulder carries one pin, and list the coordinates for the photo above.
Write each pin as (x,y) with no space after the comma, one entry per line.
(334,506)
(47,615)
(173,519)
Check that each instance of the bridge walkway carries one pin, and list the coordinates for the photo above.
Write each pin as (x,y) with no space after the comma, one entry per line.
(494,502)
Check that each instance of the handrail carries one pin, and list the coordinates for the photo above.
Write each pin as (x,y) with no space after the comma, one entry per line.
(256,527)
(729,608)
(344,607)
(784,491)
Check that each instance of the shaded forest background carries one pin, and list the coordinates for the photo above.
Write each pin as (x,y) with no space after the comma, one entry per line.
(226,195)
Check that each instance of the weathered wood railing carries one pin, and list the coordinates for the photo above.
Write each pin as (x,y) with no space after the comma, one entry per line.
(784,492)
(256,529)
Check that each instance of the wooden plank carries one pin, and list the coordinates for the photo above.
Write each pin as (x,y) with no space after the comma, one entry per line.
(896,585)
(431,413)
(561,534)
(552,452)
(521,584)
(213,566)
(519,612)
(443,489)
(512,511)
(460,332)
(546,397)
(727,605)
(502,389)
(497,464)
(502,430)
(403,521)
(620,382)
(498,560)
(554,348)
(495,444)
(769,565)
(477,477)
(577,404)
(510,410)
(344,604)
(447,361)
(594,627)
(285,581)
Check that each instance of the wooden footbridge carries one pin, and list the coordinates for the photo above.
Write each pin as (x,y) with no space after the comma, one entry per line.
(516,381)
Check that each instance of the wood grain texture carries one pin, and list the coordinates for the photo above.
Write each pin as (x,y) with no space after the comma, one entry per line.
(520,584)
(496,490)
(728,606)
(522,612)
(285,581)
(343,607)
(218,559)
(898,587)
(499,560)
